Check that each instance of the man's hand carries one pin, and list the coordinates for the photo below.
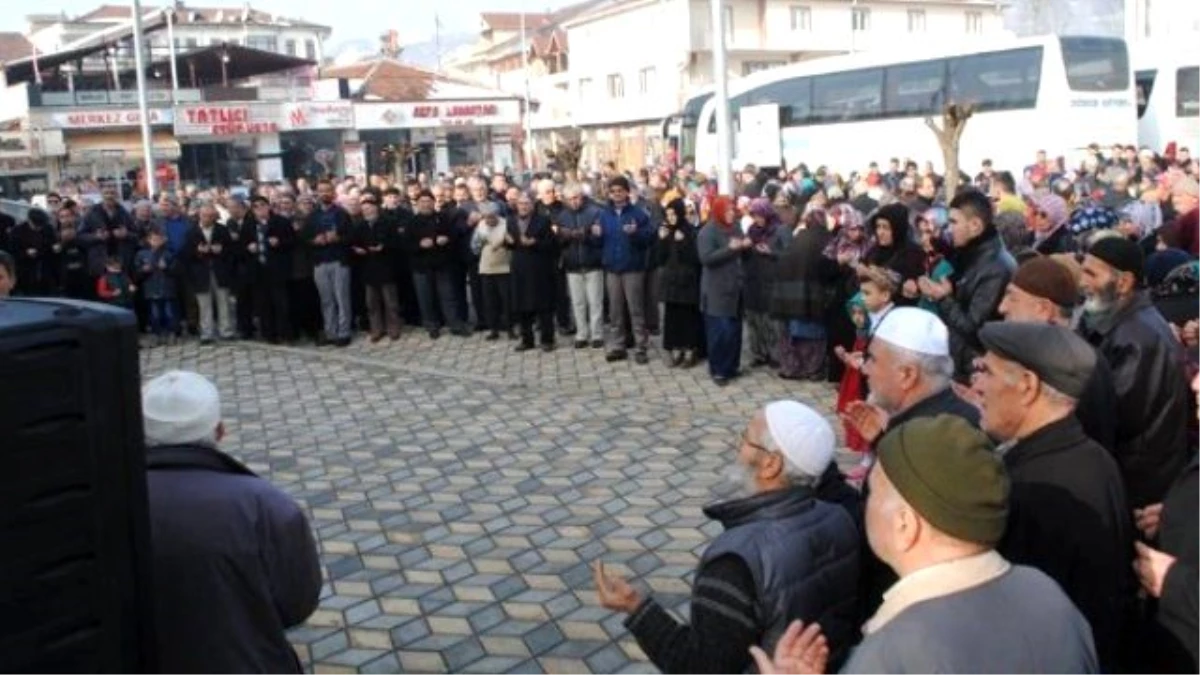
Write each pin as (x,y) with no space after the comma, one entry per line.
(868,419)
(800,651)
(252,247)
(426,243)
(527,241)
(1147,519)
(358,250)
(615,593)
(273,241)
(762,248)
(162,264)
(678,235)
(216,248)
(597,230)
(664,232)
(377,248)
(31,252)
(629,228)
(331,236)
(120,233)
(442,240)
(1151,567)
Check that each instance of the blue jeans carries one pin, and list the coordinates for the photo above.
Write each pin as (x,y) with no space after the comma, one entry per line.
(724,335)
(333,286)
(164,319)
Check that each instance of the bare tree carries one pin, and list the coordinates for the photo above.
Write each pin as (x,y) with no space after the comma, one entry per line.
(949,135)
(567,155)
(396,157)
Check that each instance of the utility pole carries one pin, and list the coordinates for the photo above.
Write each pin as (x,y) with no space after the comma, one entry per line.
(171,53)
(721,100)
(528,108)
(139,62)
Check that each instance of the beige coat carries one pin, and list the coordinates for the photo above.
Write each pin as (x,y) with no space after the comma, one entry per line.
(494,256)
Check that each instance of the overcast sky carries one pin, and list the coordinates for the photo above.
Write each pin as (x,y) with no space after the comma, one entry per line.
(357,20)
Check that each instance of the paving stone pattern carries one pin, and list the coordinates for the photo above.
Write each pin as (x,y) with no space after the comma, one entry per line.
(459,491)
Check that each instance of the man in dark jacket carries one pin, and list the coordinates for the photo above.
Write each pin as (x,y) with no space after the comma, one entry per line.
(107,230)
(534,257)
(206,256)
(581,260)
(327,232)
(1148,369)
(982,269)
(268,240)
(1067,511)
(1044,291)
(785,554)
(429,240)
(624,234)
(548,207)
(372,245)
(33,243)
(235,564)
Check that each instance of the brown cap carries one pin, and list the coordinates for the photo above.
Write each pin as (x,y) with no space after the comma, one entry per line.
(1047,278)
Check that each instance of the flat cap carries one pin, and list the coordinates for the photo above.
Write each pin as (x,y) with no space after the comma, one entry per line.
(1060,358)
(949,473)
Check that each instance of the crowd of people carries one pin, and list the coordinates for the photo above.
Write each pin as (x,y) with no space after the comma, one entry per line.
(1013,362)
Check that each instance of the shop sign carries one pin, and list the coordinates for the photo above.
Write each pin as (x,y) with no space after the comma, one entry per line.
(318,115)
(101,119)
(227,120)
(432,115)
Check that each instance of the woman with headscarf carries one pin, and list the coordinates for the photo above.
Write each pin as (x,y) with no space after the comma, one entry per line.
(683,331)
(768,240)
(800,299)
(1048,215)
(894,248)
(847,248)
(720,245)
(930,227)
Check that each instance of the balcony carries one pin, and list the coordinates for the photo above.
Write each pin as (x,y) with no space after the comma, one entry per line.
(162,97)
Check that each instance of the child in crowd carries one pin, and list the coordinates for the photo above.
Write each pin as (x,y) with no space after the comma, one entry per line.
(877,289)
(154,271)
(114,286)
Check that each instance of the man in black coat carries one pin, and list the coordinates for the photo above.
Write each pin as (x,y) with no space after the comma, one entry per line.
(1148,369)
(107,230)
(1068,515)
(982,269)
(1043,290)
(33,244)
(207,257)
(429,241)
(234,560)
(243,267)
(535,257)
(372,246)
(268,240)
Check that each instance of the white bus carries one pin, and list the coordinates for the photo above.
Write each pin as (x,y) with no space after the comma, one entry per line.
(680,129)
(1168,101)
(1057,94)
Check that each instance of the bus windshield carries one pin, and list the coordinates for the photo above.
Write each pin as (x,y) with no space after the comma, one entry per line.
(1187,92)
(1095,64)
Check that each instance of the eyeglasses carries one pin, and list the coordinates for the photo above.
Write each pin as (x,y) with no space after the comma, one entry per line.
(746,441)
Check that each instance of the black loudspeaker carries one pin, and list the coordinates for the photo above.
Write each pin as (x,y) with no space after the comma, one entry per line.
(75,557)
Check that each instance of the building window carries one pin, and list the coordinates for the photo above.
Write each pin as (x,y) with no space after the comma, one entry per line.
(310,50)
(191,43)
(646,79)
(916,21)
(860,19)
(1146,16)
(974,23)
(266,43)
(728,24)
(289,47)
(616,86)
(801,19)
(585,88)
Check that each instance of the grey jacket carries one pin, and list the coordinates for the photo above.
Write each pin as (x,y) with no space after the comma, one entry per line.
(721,279)
(1018,622)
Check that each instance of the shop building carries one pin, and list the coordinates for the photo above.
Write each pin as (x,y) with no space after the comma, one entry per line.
(436,122)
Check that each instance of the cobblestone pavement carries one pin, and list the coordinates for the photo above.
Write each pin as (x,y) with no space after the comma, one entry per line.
(460,490)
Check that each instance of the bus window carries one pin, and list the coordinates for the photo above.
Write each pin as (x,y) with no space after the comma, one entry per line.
(846,97)
(1187,92)
(1095,64)
(1005,80)
(1145,86)
(794,97)
(915,89)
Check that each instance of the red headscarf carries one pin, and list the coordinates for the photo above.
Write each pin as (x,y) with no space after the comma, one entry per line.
(721,207)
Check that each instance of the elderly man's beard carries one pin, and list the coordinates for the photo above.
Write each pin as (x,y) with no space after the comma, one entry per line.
(877,399)
(1103,300)
(737,482)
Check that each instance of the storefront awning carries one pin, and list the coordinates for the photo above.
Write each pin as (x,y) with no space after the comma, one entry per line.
(120,146)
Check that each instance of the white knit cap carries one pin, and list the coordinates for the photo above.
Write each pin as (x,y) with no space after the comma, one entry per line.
(180,407)
(804,437)
(914,329)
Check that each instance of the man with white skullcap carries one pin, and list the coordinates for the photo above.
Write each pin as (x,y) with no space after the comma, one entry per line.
(909,373)
(790,550)
(235,564)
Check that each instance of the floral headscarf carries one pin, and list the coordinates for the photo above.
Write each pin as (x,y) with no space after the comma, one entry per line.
(762,208)
(847,218)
